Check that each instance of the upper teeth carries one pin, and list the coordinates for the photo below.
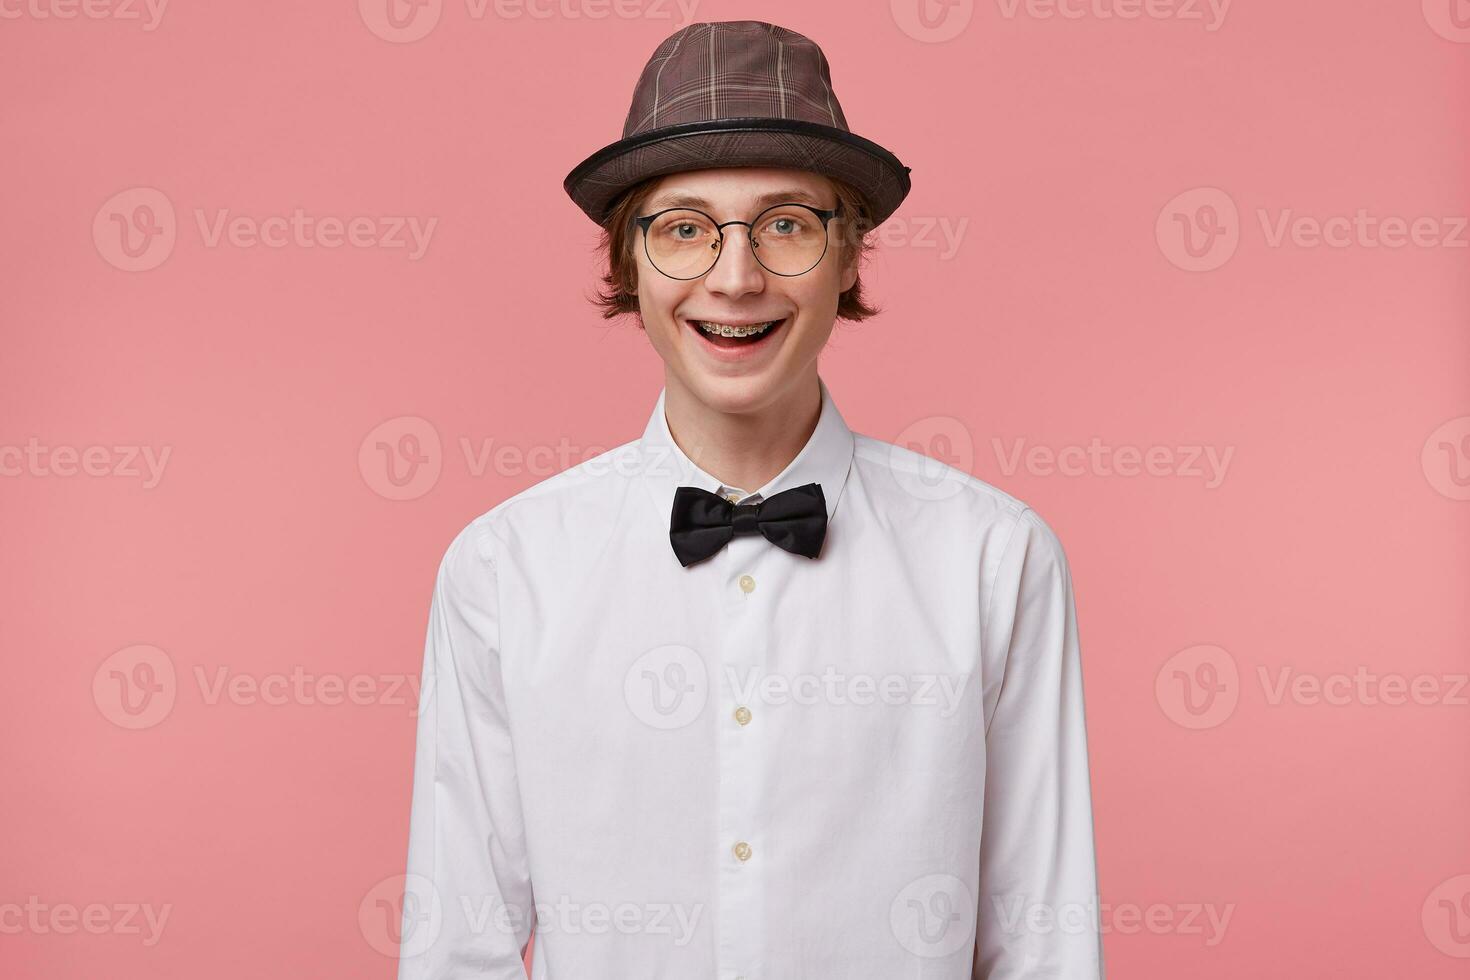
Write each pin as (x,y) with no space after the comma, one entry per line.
(726,330)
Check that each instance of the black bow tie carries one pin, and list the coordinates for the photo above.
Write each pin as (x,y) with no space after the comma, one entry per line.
(704,522)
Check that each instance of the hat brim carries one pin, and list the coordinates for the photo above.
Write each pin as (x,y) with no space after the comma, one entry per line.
(595,183)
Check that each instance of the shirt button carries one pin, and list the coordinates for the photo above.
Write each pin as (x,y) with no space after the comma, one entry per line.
(742,851)
(747,584)
(742,715)
(732,496)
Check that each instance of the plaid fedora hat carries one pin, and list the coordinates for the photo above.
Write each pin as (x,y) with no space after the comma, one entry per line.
(731,94)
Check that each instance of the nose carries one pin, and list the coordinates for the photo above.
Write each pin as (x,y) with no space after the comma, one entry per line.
(736,272)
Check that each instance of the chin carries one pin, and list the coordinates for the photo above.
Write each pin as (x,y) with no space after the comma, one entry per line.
(732,394)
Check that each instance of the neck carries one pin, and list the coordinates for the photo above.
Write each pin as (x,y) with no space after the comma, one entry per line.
(745,449)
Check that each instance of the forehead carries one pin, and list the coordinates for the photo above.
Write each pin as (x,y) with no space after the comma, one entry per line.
(739,189)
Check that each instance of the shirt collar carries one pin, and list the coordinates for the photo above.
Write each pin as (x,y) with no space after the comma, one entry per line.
(825,459)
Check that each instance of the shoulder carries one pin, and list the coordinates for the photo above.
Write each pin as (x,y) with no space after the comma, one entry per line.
(903,477)
(921,490)
(578,493)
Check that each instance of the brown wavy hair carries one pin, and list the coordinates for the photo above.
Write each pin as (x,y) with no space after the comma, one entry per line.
(616,242)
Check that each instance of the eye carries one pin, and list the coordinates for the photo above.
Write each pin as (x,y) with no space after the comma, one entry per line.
(681,228)
(786,225)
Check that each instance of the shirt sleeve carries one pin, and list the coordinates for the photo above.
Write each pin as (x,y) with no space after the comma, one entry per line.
(1037,913)
(467,905)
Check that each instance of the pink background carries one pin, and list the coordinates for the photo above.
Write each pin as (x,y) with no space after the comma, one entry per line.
(1069,308)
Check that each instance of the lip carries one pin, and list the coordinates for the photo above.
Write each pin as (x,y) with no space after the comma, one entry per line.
(769,340)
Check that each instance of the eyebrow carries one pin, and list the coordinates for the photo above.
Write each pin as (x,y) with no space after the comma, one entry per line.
(765,200)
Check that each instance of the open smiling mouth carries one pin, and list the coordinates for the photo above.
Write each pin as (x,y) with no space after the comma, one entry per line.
(727,336)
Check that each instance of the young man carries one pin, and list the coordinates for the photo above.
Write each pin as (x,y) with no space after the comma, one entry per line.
(752,697)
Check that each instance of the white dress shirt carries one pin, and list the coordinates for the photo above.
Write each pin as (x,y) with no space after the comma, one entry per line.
(871,764)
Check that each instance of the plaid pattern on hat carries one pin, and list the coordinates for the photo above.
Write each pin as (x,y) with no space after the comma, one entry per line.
(731,94)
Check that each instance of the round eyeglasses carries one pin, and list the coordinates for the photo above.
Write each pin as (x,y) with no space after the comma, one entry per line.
(786,239)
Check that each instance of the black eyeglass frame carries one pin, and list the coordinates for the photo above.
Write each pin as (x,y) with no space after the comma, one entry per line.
(825,215)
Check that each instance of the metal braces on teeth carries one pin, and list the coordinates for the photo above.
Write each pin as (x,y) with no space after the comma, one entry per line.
(726,330)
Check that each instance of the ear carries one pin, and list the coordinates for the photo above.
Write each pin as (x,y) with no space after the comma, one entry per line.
(849,267)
